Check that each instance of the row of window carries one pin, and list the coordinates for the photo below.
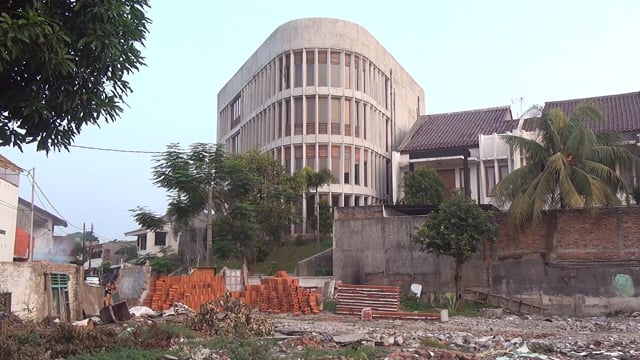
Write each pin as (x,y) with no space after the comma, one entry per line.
(306,115)
(311,67)
(160,239)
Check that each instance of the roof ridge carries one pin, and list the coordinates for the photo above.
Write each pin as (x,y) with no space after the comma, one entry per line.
(505,107)
(595,97)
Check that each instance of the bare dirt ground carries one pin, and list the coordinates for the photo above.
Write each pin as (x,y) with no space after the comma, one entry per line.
(506,337)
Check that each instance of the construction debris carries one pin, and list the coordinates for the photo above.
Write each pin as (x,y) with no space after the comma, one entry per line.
(228,316)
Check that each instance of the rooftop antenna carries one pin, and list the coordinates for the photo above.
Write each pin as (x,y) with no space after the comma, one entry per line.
(518,100)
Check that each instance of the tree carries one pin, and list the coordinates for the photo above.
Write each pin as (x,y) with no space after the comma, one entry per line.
(458,229)
(195,181)
(424,186)
(314,180)
(568,166)
(63,66)
(326,218)
(275,195)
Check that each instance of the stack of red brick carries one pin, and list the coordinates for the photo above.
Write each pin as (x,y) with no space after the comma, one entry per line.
(278,294)
(192,290)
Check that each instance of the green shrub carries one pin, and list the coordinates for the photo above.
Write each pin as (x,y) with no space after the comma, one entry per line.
(329,305)
(323,271)
(299,240)
(410,302)
(242,348)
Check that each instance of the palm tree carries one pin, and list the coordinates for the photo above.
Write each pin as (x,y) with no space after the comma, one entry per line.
(568,166)
(315,180)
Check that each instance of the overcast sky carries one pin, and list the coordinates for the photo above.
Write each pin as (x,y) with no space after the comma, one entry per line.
(465,55)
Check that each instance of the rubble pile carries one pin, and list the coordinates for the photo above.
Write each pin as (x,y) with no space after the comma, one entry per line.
(278,294)
(227,316)
(505,338)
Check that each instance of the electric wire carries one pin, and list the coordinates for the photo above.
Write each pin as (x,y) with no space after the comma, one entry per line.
(117,150)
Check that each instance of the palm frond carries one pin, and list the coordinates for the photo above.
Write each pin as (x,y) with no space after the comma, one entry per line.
(530,148)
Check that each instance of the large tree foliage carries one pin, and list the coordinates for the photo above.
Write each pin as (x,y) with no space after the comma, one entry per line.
(63,66)
(567,166)
(458,230)
(195,181)
(424,186)
(248,199)
(315,180)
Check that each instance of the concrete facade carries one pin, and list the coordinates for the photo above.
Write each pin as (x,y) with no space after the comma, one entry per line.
(574,262)
(323,93)
(153,242)
(44,223)
(9,183)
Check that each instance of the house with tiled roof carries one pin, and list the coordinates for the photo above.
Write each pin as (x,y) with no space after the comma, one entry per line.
(621,115)
(450,143)
(465,147)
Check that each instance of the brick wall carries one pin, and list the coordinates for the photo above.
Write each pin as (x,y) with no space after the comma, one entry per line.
(575,236)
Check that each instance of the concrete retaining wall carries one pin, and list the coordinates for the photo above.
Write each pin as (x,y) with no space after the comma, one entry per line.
(321,260)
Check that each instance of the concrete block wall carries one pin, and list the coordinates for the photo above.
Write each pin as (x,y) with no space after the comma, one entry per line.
(574,262)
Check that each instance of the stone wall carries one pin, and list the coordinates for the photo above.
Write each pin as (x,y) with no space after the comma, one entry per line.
(28,287)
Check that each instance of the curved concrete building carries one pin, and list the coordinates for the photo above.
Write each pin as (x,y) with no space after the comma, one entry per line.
(323,93)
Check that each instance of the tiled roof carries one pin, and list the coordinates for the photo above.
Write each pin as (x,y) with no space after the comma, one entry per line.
(621,112)
(457,129)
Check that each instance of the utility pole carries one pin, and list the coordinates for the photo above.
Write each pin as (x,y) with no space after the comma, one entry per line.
(84,247)
(33,193)
(90,246)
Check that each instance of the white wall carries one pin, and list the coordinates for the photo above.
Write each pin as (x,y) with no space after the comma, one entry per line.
(8,216)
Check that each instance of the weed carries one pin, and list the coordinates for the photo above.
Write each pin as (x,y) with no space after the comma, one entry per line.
(299,240)
(242,348)
(353,352)
(433,343)
(612,313)
(541,348)
(329,305)
(410,302)
(122,353)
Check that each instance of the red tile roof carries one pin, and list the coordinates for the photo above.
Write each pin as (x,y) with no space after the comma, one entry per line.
(457,129)
(621,112)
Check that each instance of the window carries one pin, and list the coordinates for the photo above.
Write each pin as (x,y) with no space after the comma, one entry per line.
(311,156)
(335,163)
(310,68)
(356,71)
(356,170)
(286,72)
(160,238)
(297,68)
(59,295)
(335,116)
(490,176)
(323,114)
(347,117)
(235,112)
(297,151)
(287,159)
(347,200)
(287,117)
(311,115)
(323,157)
(297,110)
(322,68)
(142,242)
(347,71)
(357,120)
(347,165)
(335,69)
(365,168)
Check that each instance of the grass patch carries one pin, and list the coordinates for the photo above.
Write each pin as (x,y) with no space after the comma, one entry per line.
(283,257)
(433,343)
(353,352)
(243,348)
(410,302)
(123,354)
(541,348)
(470,309)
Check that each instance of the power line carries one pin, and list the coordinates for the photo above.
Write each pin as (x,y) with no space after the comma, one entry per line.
(117,150)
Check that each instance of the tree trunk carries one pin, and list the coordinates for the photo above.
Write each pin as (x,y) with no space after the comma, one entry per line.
(209,229)
(458,283)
